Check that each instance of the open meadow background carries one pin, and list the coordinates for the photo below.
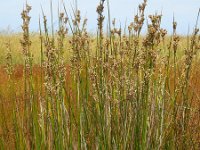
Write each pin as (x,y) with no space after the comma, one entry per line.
(99,74)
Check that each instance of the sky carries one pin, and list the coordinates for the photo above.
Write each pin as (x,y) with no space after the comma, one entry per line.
(185,12)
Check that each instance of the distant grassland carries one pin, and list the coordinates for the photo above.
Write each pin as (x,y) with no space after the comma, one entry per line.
(16,49)
(14,39)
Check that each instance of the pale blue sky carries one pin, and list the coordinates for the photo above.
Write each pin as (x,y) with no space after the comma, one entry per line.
(185,12)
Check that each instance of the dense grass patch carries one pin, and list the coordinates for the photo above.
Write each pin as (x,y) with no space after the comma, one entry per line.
(65,89)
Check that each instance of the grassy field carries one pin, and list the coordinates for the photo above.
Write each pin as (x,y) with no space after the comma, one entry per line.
(67,89)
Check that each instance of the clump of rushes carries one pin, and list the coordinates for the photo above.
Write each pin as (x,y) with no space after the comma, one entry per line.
(55,114)
(190,53)
(80,46)
(28,125)
(118,91)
